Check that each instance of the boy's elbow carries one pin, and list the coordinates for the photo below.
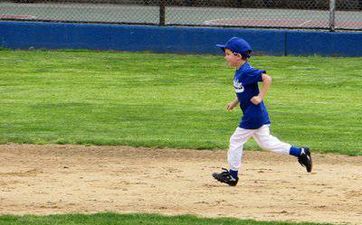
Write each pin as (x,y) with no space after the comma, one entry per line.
(267,78)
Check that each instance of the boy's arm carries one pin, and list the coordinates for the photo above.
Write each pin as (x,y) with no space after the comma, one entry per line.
(233,104)
(267,80)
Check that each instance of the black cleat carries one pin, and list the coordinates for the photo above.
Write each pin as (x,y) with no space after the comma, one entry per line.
(305,159)
(225,177)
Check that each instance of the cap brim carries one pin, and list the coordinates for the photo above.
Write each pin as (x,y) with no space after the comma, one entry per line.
(222,47)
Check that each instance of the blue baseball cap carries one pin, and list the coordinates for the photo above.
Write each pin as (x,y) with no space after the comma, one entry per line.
(237,45)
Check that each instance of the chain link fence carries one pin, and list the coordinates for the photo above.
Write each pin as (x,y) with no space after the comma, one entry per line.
(292,14)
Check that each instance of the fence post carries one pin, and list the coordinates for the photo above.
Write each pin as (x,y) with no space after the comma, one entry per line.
(162,12)
(332,11)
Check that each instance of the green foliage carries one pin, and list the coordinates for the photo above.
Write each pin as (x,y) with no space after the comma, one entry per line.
(168,100)
(129,219)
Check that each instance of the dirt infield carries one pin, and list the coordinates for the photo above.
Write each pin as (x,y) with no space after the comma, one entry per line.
(62,179)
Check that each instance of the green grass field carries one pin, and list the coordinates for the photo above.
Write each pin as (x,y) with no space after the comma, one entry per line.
(128,219)
(168,100)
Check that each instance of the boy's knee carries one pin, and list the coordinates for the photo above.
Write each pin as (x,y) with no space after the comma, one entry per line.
(232,139)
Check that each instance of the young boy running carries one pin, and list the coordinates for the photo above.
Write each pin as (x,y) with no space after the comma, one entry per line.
(255,121)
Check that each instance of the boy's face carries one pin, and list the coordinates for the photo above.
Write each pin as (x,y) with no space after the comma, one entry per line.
(233,59)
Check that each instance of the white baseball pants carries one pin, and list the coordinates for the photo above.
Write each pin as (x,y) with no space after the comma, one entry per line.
(262,137)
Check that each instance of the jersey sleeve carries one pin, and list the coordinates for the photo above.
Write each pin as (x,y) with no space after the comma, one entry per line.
(253,76)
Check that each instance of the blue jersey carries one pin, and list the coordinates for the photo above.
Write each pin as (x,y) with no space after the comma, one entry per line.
(246,80)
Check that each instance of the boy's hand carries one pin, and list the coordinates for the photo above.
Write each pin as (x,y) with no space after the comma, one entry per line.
(256,100)
(232,105)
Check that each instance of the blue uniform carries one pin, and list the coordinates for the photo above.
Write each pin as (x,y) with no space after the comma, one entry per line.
(246,80)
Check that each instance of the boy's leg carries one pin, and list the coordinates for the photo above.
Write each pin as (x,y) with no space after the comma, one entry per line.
(237,140)
(267,141)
